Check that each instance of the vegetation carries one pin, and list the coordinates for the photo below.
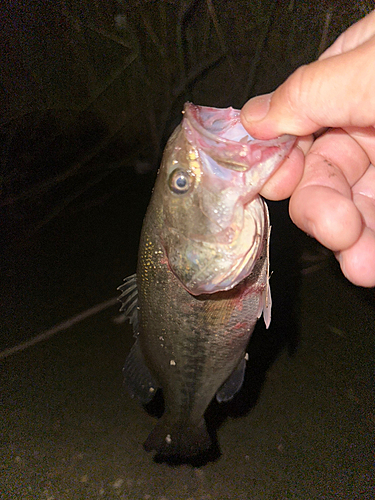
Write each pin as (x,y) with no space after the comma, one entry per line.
(94,88)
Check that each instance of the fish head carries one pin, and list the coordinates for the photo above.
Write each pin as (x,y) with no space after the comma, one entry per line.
(213,221)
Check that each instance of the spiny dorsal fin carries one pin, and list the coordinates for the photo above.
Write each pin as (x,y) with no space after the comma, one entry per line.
(129,299)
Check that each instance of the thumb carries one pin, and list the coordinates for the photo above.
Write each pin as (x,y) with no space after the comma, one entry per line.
(334,92)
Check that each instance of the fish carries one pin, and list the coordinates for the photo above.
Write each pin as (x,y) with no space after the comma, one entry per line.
(202,278)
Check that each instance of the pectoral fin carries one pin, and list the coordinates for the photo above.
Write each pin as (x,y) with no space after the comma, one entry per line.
(233,384)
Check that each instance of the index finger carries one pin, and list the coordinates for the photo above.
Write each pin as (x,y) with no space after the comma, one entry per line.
(355,35)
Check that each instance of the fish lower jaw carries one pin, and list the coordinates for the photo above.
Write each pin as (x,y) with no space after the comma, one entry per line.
(222,280)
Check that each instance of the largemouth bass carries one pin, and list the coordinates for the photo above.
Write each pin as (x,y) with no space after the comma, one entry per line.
(202,273)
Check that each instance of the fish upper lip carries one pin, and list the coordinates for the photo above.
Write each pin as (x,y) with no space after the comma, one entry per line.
(192,115)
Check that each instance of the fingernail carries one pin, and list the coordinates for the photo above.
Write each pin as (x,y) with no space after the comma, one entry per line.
(341,261)
(257,108)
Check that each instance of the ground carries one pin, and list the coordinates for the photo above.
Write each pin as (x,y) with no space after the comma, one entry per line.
(301,428)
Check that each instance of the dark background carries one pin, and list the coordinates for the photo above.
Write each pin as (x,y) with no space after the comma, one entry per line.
(89,93)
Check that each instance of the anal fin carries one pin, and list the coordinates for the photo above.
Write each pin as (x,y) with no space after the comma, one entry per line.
(137,377)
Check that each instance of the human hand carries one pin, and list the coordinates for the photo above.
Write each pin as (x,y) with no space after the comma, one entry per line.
(331,179)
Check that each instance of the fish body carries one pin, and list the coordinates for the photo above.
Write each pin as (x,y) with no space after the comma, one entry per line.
(202,274)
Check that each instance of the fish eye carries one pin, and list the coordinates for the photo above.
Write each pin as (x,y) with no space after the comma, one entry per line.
(179,181)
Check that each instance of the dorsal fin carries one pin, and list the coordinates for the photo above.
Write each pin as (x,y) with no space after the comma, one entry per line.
(137,376)
(129,299)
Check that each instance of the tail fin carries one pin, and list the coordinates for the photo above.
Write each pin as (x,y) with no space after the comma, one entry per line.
(178,440)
